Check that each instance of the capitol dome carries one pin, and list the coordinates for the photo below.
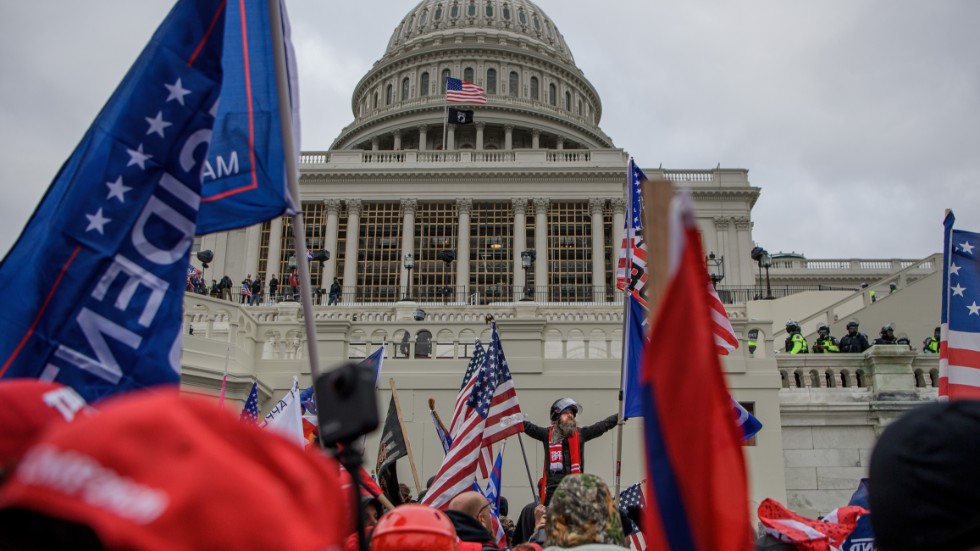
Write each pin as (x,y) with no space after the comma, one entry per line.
(536,96)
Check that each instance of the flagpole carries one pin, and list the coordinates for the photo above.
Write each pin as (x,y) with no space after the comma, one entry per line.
(445,127)
(408,445)
(292,180)
(627,293)
(530,481)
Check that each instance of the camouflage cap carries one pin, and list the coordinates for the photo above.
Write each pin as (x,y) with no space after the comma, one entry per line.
(582,511)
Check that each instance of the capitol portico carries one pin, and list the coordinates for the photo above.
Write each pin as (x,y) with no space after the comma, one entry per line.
(530,202)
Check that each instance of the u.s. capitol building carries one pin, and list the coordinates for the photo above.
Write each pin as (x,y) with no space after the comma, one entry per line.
(530,202)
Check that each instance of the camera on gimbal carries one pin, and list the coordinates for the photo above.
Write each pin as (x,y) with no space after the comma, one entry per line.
(347,404)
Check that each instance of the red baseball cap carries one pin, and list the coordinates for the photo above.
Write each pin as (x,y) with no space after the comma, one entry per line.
(29,407)
(161,471)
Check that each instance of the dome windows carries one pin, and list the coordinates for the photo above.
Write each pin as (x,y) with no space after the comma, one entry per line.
(388,95)
(404,88)
(423,18)
(437,16)
(534,89)
(513,85)
(491,81)
(522,17)
(445,77)
(424,84)
(505,12)
(553,94)
(454,10)
(568,101)
(489,9)
(471,8)
(536,22)
(468,74)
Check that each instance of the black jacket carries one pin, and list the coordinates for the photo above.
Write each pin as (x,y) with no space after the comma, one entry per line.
(589,432)
(854,343)
(470,529)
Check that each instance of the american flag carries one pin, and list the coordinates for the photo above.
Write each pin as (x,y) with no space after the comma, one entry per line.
(632,498)
(631,272)
(250,413)
(959,347)
(477,359)
(458,471)
(461,91)
(505,417)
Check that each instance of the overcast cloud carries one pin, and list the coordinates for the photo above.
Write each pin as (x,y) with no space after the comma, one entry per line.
(859,119)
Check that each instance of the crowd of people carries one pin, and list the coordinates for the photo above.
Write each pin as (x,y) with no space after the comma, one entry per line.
(852,342)
(252,291)
(159,470)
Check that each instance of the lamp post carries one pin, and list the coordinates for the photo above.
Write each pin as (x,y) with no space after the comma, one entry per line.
(761,256)
(447,256)
(409,265)
(716,268)
(527,260)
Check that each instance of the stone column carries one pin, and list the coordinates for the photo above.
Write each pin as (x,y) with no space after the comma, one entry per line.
(509,137)
(541,246)
(561,143)
(479,135)
(333,219)
(423,129)
(409,207)
(275,251)
(350,252)
(463,249)
(598,257)
(252,249)
(374,144)
(450,138)
(535,138)
(398,139)
(745,267)
(520,245)
(618,225)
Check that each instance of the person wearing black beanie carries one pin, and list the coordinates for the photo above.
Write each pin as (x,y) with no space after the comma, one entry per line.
(924,487)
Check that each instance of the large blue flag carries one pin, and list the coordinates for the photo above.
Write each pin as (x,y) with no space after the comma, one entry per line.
(244,177)
(92,290)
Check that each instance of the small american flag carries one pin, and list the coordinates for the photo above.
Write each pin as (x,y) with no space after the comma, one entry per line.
(250,413)
(632,498)
(461,91)
(959,346)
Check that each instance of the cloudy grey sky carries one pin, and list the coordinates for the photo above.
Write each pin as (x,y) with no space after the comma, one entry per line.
(859,119)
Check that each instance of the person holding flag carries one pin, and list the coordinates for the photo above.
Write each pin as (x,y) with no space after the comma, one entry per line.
(564,442)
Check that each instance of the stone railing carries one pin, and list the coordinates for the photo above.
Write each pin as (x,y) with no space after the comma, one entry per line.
(881,373)
(352,159)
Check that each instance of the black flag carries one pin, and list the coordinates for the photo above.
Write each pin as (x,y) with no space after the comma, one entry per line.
(391,448)
(460,116)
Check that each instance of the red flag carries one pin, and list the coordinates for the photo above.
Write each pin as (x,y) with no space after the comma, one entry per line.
(808,534)
(697,484)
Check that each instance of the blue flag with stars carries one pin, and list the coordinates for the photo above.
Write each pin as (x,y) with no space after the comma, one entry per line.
(93,288)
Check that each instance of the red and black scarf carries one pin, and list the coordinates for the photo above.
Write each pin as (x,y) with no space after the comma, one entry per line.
(556,461)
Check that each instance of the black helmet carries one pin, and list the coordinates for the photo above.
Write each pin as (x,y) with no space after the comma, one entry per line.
(792,327)
(561,405)
(852,323)
(823,327)
(887,328)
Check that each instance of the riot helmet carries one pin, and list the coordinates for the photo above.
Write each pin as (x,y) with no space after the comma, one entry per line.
(792,327)
(823,330)
(561,405)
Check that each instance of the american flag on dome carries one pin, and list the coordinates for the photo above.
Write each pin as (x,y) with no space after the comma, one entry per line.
(250,413)
(959,346)
(461,91)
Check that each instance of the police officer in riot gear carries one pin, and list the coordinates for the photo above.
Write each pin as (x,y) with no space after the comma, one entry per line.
(825,343)
(887,335)
(931,344)
(854,341)
(795,343)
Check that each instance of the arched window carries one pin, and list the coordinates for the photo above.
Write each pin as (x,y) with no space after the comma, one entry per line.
(438,15)
(471,9)
(468,74)
(513,86)
(537,24)
(445,76)
(522,17)
(423,344)
(404,88)
(534,88)
(454,11)
(424,84)
(505,11)
(568,101)
(552,94)
(423,18)
(388,95)
(580,108)
(375,100)
(489,10)
(491,81)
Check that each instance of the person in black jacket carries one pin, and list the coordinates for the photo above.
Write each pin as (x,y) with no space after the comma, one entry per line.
(854,341)
(558,457)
